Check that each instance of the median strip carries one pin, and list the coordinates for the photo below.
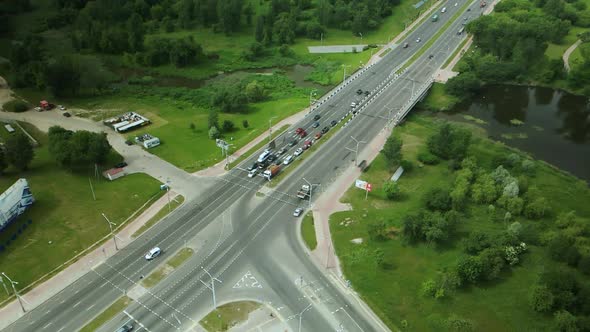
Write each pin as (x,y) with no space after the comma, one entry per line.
(155,277)
(431,41)
(107,314)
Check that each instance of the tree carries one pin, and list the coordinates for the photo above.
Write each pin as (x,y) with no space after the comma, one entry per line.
(449,142)
(377,230)
(470,269)
(245,124)
(511,189)
(284,29)
(136,32)
(3,162)
(476,242)
(541,298)
(259,32)
(214,133)
(463,85)
(19,151)
(255,91)
(213,119)
(392,150)
(536,209)
(391,189)
(186,13)
(63,77)
(565,321)
(438,199)
(227,126)
(484,189)
(584,265)
(559,246)
(492,262)
(78,148)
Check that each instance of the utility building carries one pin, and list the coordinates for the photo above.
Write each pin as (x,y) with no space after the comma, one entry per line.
(14,201)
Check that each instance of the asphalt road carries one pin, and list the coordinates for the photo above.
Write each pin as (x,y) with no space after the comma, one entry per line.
(246,233)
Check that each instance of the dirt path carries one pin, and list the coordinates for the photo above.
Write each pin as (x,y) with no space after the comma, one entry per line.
(568,52)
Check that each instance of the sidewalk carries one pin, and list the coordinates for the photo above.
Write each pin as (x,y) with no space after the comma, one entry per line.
(568,52)
(329,203)
(47,289)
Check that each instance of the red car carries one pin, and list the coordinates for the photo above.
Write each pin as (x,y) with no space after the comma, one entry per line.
(303,133)
(318,136)
(306,145)
(299,130)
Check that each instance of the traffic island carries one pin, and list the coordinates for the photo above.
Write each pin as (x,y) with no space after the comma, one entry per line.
(107,314)
(228,315)
(155,277)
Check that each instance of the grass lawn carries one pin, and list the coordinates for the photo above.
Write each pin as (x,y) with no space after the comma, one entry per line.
(228,315)
(65,218)
(308,231)
(174,262)
(174,203)
(437,99)
(107,314)
(555,51)
(393,289)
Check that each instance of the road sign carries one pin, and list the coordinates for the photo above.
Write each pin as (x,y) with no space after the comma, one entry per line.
(361,184)
(221,143)
(369,187)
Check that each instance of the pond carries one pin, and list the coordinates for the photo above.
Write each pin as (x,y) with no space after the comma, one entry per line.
(296,73)
(551,125)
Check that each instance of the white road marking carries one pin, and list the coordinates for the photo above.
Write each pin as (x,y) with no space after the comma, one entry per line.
(90,307)
(75,305)
(46,325)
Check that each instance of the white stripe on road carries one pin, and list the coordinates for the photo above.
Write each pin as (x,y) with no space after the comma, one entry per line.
(75,305)
(90,307)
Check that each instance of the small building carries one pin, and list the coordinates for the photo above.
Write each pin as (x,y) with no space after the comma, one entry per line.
(14,201)
(114,173)
(127,121)
(398,173)
(9,128)
(150,143)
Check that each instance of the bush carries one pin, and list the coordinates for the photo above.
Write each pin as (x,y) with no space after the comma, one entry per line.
(214,133)
(227,126)
(427,158)
(407,165)
(438,199)
(16,106)
(391,190)
(245,124)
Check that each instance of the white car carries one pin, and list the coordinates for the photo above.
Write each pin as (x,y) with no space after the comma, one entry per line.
(153,253)
(253,172)
(297,212)
(443,10)
(418,40)
(288,160)
(61,107)
(298,152)
(456,3)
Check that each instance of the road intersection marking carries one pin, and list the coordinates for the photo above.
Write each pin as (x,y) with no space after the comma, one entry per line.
(248,281)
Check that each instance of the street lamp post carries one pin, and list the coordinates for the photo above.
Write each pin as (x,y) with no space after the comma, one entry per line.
(111,228)
(168,193)
(310,190)
(344,72)
(312,94)
(356,151)
(301,316)
(212,287)
(12,283)
(270,128)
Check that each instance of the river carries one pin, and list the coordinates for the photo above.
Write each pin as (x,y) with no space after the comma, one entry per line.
(551,125)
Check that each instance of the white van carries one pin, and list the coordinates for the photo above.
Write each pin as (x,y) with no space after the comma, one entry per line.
(443,10)
(263,156)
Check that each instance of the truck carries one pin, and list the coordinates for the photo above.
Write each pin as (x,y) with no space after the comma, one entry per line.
(271,172)
(304,192)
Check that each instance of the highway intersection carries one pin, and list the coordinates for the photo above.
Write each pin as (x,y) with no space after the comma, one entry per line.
(250,242)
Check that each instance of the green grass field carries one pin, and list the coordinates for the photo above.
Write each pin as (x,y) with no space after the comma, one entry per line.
(65,218)
(393,291)
(437,99)
(308,231)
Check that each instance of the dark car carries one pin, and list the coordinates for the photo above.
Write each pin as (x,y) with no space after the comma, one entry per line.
(359,92)
(315,124)
(406,45)
(316,117)
(128,142)
(121,164)
(125,328)
(272,158)
(251,167)
(367,93)
(325,130)
(333,123)
(67,114)
(293,143)
(281,151)
(430,56)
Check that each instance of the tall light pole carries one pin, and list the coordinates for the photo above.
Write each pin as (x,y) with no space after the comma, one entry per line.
(212,287)
(344,72)
(270,128)
(312,94)
(12,283)
(356,151)
(111,228)
(168,193)
(4,285)
(301,315)
(310,190)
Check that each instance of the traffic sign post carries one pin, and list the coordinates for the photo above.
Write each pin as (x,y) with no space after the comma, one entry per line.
(364,185)
(367,189)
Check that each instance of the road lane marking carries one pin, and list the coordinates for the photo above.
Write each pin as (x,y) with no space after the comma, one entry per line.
(47,325)
(90,307)
(75,305)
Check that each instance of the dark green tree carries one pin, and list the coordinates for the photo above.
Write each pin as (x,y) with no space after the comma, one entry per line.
(213,119)
(541,298)
(392,150)
(19,151)
(63,77)
(259,31)
(3,162)
(227,126)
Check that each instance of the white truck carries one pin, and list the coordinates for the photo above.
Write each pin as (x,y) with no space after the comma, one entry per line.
(304,192)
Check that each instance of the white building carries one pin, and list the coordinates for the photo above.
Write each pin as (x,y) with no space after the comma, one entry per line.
(14,201)
(150,143)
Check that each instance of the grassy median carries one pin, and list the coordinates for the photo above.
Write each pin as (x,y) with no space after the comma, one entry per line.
(308,231)
(228,315)
(107,314)
(155,277)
